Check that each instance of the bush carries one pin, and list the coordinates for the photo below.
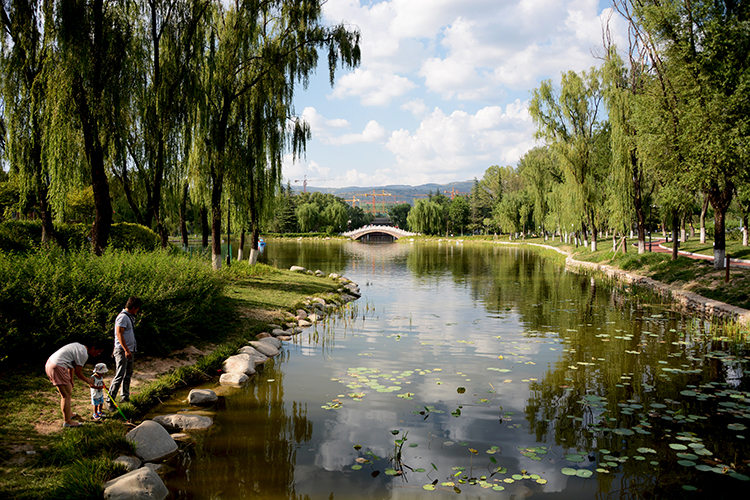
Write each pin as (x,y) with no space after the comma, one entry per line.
(25,236)
(51,298)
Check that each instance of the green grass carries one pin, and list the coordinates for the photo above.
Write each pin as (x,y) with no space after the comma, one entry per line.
(265,287)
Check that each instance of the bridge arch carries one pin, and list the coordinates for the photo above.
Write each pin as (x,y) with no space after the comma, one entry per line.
(375,231)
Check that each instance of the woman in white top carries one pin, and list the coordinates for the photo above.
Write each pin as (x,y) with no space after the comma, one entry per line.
(60,368)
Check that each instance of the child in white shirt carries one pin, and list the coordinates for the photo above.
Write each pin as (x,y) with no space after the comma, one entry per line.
(97,384)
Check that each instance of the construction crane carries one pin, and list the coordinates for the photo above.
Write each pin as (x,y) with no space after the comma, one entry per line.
(354,201)
(304,182)
(374,194)
(453,192)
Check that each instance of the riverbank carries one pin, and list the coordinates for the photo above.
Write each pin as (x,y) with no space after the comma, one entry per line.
(30,433)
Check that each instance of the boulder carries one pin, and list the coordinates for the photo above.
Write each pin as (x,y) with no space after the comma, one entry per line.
(182,437)
(152,442)
(298,269)
(272,341)
(318,300)
(319,273)
(184,422)
(257,357)
(303,323)
(273,326)
(234,378)
(239,363)
(285,338)
(155,467)
(301,314)
(334,276)
(140,484)
(130,463)
(202,397)
(278,331)
(314,318)
(265,348)
(263,335)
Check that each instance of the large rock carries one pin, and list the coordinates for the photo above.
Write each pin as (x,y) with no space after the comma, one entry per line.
(303,323)
(272,341)
(202,397)
(184,422)
(298,269)
(257,357)
(265,348)
(314,318)
(152,442)
(318,300)
(301,314)
(319,273)
(233,378)
(278,331)
(140,484)
(240,363)
(130,463)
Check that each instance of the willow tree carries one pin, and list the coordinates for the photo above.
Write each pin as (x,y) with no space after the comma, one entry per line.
(89,89)
(541,174)
(249,44)
(168,43)
(426,217)
(28,54)
(569,122)
(624,89)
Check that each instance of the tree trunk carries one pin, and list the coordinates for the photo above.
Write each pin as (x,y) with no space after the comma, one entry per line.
(675,226)
(216,224)
(720,199)
(254,250)
(205,230)
(683,232)
(744,229)
(183,215)
(240,252)
(704,209)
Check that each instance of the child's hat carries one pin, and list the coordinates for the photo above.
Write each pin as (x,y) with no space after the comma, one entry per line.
(100,368)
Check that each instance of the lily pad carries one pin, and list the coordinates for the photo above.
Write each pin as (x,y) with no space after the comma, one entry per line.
(584,473)
(568,471)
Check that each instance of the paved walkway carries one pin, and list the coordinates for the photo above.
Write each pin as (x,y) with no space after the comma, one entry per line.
(662,246)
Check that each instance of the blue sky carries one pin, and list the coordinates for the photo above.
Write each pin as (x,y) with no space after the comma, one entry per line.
(442,91)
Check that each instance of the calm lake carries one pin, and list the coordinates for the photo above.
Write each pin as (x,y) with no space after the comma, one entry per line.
(483,371)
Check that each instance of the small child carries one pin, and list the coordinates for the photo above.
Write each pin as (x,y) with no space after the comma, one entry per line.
(97,396)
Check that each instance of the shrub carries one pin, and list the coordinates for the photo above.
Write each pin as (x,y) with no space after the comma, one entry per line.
(50,298)
(25,236)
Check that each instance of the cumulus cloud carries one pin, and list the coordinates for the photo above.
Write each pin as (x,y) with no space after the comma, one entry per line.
(373,132)
(447,144)
(374,88)
(323,129)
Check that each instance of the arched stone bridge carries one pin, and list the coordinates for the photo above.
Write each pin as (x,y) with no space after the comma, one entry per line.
(394,232)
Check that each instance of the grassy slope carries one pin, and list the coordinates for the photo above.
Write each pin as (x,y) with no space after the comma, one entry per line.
(29,403)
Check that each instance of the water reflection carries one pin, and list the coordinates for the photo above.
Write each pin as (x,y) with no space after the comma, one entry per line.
(489,358)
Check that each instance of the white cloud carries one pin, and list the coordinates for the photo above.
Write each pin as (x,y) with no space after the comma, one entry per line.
(417,107)
(374,88)
(373,132)
(445,146)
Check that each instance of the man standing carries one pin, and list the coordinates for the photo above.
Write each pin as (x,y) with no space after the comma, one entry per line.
(125,346)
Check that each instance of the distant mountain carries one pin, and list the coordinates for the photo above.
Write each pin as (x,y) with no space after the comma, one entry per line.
(394,193)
